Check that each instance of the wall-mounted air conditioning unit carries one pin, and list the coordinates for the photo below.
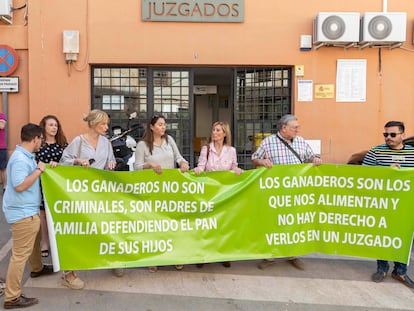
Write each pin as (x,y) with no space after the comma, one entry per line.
(336,27)
(6,12)
(383,28)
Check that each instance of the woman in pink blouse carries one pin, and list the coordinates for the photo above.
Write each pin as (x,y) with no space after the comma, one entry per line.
(218,155)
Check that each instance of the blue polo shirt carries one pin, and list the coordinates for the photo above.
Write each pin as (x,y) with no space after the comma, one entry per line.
(20,205)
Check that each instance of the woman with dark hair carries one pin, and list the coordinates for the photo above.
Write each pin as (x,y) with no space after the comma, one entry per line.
(158,150)
(54,141)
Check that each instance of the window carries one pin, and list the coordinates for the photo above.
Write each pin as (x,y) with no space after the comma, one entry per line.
(120,91)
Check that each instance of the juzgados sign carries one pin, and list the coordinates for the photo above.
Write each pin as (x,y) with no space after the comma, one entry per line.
(216,11)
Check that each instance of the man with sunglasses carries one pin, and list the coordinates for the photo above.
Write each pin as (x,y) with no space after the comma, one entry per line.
(396,154)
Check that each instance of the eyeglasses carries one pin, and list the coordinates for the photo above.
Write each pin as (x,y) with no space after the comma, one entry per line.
(393,135)
(91,161)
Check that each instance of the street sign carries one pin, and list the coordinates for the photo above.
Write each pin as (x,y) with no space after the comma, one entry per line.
(9,84)
(8,60)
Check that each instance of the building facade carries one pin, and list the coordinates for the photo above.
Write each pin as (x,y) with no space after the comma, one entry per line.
(195,62)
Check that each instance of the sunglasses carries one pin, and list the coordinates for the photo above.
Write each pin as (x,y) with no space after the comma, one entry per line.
(393,135)
(155,118)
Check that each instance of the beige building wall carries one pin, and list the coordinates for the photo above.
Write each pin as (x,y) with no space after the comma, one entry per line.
(112,32)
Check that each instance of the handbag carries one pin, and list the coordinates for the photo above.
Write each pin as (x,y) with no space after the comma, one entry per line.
(80,146)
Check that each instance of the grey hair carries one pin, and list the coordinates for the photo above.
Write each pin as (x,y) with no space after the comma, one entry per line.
(284,120)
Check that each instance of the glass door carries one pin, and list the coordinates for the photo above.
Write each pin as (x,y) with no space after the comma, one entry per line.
(262,96)
(173,99)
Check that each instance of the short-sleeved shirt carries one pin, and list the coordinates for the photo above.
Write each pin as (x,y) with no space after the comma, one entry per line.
(383,155)
(20,205)
(50,152)
(277,152)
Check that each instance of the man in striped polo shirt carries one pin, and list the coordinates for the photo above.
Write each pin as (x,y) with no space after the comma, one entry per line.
(393,153)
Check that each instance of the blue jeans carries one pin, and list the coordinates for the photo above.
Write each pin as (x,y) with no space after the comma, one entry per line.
(399,267)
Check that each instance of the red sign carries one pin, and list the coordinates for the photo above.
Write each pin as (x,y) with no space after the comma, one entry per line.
(8,60)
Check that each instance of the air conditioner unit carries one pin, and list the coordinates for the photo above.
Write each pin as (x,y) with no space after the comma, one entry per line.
(336,27)
(383,28)
(6,12)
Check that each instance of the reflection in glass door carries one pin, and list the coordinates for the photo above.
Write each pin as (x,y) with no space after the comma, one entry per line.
(121,91)
(171,93)
(263,95)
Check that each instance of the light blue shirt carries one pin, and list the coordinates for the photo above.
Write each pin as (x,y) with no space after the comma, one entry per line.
(20,205)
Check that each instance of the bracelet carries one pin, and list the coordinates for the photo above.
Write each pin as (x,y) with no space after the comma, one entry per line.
(38,168)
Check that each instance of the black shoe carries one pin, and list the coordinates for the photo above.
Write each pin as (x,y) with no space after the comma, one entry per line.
(47,269)
(403,279)
(378,276)
(226,264)
(21,302)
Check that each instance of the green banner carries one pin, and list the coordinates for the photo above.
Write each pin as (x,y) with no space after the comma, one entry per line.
(104,219)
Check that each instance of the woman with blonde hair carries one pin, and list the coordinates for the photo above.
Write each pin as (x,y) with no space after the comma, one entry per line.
(91,149)
(218,155)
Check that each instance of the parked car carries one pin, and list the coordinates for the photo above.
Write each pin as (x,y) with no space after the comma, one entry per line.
(357,158)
